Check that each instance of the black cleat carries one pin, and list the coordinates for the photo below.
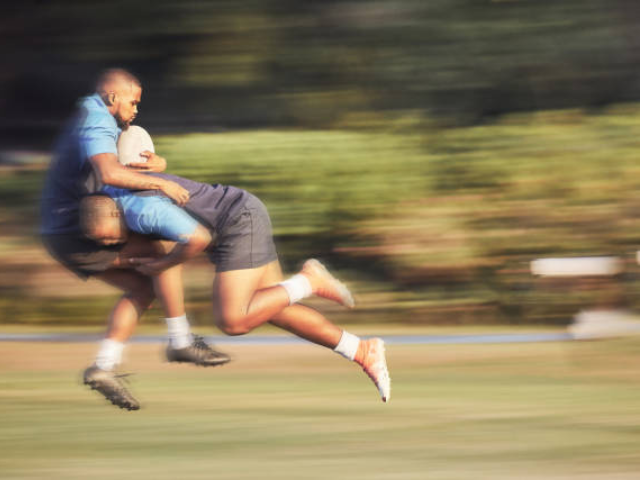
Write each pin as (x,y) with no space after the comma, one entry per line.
(199,353)
(111,386)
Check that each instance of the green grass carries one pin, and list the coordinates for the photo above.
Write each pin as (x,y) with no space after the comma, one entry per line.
(496,412)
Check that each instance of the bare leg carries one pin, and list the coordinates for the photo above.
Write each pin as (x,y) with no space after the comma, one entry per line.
(122,322)
(130,307)
(138,288)
(248,298)
(309,324)
(245,299)
(168,285)
(239,303)
(169,289)
(300,320)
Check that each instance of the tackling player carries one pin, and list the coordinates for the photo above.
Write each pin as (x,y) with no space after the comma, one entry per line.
(248,288)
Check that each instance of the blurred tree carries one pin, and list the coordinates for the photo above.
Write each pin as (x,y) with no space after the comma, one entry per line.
(283,62)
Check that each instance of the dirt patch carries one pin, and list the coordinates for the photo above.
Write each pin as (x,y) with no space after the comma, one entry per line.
(30,356)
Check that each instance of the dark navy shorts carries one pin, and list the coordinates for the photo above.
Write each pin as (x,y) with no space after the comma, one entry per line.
(244,240)
(82,256)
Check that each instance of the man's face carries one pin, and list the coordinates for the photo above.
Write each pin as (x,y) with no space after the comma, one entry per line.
(126,105)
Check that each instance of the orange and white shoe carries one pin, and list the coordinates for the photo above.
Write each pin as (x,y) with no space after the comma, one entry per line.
(374,364)
(325,285)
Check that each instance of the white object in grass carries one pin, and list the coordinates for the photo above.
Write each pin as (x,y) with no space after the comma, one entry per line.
(576,266)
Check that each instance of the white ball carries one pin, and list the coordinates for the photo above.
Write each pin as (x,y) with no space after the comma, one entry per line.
(131,143)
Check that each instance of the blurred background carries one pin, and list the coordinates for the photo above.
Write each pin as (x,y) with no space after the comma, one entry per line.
(427,150)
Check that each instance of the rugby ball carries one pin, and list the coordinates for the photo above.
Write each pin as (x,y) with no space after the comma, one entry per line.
(133,141)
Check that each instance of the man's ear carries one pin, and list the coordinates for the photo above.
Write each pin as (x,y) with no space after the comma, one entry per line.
(110,98)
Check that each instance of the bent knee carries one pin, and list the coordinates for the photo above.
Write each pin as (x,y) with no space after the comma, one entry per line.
(143,296)
(233,329)
(231,325)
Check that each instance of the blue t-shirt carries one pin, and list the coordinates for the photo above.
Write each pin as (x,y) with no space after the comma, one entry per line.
(153,215)
(92,130)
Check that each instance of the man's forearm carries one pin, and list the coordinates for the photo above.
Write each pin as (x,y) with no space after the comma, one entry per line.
(198,241)
(110,172)
(181,252)
(126,178)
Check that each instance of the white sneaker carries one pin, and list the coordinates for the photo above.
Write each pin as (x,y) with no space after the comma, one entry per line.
(375,365)
(326,285)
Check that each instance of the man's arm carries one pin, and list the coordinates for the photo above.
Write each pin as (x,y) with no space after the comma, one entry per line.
(197,242)
(111,172)
(154,163)
(158,216)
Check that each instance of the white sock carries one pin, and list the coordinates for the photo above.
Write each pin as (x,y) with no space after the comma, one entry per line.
(178,331)
(297,287)
(348,345)
(109,354)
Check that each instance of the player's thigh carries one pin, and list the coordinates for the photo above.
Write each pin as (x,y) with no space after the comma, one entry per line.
(234,289)
(272,275)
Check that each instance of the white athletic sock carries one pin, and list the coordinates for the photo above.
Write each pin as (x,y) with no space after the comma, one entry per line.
(178,331)
(348,345)
(297,287)
(109,354)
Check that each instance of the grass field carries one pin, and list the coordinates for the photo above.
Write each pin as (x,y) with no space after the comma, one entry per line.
(552,411)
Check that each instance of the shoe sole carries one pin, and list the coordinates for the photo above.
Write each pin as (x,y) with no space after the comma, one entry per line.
(218,364)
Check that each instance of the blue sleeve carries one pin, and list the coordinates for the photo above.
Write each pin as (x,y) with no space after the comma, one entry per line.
(158,216)
(114,192)
(98,135)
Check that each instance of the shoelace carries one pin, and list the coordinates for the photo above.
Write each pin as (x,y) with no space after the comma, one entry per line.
(203,349)
(122,389)
(200,344)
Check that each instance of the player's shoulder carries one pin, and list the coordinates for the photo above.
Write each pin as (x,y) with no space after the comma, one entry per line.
(94,113)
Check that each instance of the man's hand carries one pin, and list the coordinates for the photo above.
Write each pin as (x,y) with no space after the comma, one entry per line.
(175,192)
(148,265)
(154,163)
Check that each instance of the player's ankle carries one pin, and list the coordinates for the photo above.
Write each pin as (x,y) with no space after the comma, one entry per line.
(109,354)
(349,346)
(361,353)
(298,287)
(178,330)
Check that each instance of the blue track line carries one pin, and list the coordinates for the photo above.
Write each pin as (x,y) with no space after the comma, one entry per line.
(286,340)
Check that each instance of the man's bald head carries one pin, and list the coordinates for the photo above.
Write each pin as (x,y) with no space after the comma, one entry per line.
(101,220)
(116,79)
(121,92)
